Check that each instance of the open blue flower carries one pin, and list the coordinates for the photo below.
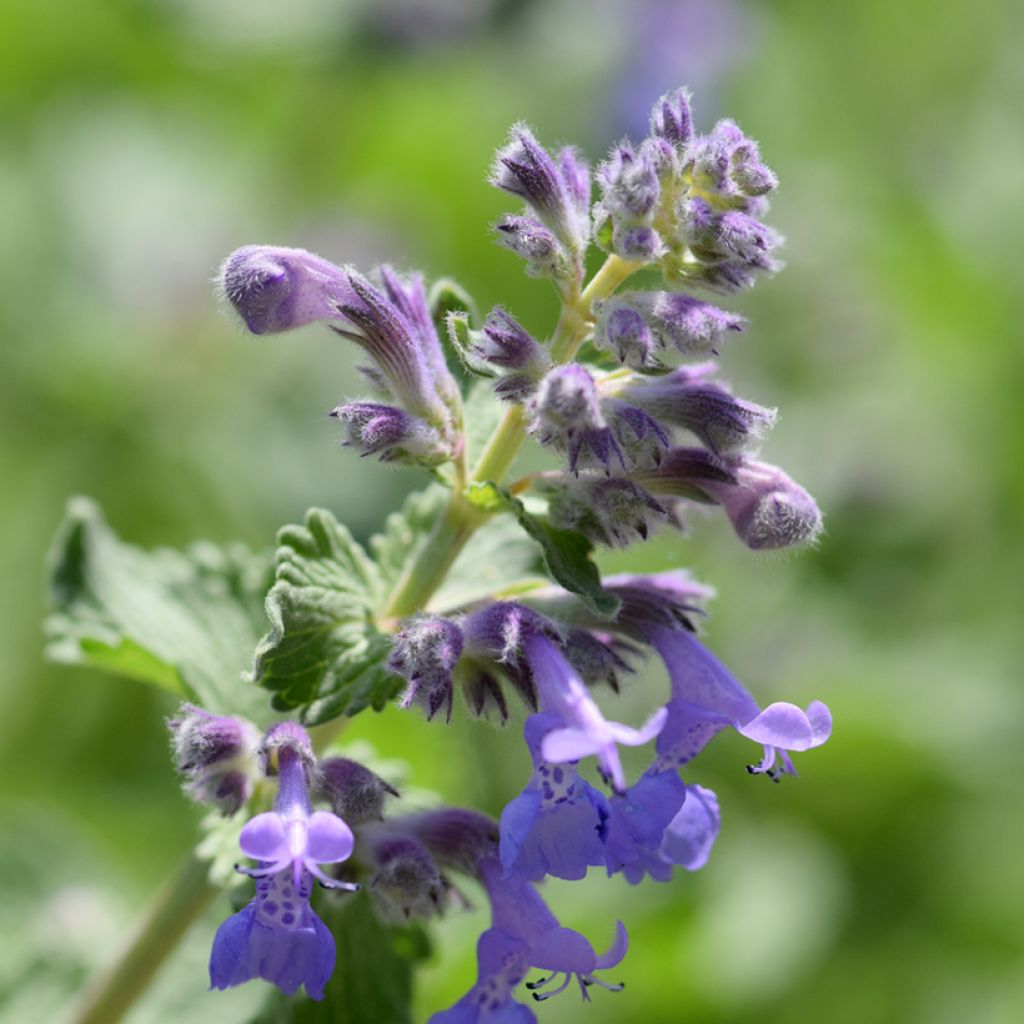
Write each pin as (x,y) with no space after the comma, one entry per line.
(557,824)
(277,936)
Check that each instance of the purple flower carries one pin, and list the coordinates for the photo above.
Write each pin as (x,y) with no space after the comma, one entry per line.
(640,815)
(425,652)
(584,730)
(685,398)
(504,343)
(556,825)
(501,965)
(518,911)
(277,936)
(216,754)
(392,434)
(406,882)
(687,840)
(707,698)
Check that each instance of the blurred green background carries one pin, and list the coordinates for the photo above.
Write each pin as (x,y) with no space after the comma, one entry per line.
(144,139)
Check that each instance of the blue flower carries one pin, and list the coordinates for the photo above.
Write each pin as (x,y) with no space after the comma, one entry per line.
(640,816)
(556,825)
(277,936)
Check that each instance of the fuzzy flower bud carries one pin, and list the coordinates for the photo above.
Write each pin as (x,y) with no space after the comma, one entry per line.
(687,399)
(525,169)
(767,508)
(276,289)
(566,414)
(424,653)
(672,118)
(613,511)
(353,791)
(406,883)
(528,238)
(216,755)
(392,434)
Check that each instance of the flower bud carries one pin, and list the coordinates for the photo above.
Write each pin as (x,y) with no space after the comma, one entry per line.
(672,118)
(216,754)
(353,791)
(768,509)
(424,652)
(613,511)
(685,398)
(625,331)
(276,289)
(629,183)
(527,237)
(390,433)
(456,837)
(407,883)
(525,169)
(567,416)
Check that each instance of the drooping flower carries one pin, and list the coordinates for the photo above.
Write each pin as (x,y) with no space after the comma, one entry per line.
(278,936)
(707,698)
(556,825)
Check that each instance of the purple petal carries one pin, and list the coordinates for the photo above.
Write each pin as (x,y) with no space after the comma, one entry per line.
(691,834)
(820,718)
(517,819)
(612,957)
(328,838)
(780,725)
(562,745)
(263,838)
(562,949)
(638,737)
(229,963)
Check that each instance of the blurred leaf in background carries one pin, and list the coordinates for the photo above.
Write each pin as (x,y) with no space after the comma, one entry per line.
(145,140)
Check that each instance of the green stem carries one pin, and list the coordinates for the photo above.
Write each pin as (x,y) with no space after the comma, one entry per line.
(461,519)
(182,899)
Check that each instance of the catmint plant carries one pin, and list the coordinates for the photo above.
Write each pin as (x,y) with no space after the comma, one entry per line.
(480,596)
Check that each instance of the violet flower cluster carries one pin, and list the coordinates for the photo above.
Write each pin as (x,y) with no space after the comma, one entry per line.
(639,432)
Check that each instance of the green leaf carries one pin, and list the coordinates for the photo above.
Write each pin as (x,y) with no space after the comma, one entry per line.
(566,552)
(405,531)
(372,982)
(323,650)
(183,621)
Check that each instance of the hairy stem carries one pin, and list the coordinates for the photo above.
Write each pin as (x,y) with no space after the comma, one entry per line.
(461,519)
(182,899)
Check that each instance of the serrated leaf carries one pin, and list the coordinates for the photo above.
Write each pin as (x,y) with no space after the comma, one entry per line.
(183,621)
(566,556)
(323,650)
(372,980)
